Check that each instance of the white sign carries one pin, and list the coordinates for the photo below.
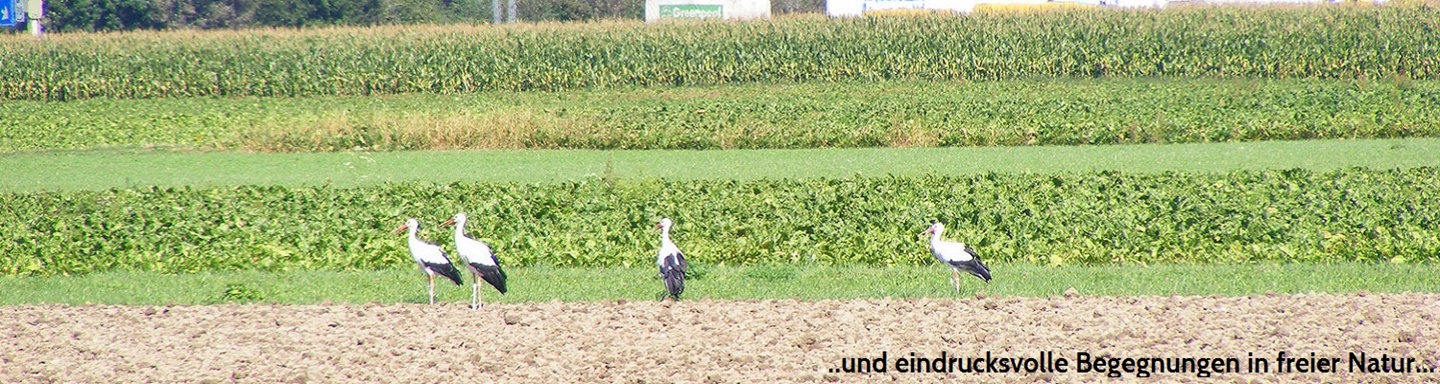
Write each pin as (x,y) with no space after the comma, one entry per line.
(656,10)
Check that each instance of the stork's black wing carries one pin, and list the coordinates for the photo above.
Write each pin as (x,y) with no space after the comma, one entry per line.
(673,272)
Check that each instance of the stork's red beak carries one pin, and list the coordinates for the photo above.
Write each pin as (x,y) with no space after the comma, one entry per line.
(658,226)
(448,222)
(401,229)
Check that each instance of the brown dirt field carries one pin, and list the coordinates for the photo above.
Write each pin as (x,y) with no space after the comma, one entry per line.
(701,341)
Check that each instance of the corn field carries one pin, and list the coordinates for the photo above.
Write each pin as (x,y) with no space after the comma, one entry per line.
(1284,42)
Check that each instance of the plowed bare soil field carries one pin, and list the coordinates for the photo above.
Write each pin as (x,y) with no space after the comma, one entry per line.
(727,341)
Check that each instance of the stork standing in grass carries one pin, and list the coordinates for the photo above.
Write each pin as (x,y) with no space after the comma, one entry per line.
(671,262)
(429,256)
(957,255)
(479,259)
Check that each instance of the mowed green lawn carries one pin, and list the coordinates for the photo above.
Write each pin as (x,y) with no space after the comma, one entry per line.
(806,282)
(118,168)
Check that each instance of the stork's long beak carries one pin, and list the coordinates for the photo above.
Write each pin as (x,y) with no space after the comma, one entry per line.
(926,232)
(401,229)
(448,222)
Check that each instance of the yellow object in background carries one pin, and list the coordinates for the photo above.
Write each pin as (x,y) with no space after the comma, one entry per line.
(1031,8)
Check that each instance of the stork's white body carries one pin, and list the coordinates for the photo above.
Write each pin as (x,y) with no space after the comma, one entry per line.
(425,253)
(471,250)
(667,249)
(949,251)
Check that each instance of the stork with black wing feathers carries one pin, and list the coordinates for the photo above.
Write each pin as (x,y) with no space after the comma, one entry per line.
(958,256)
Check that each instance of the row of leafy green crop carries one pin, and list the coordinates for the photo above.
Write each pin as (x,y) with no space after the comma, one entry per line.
(1285,42)
(849,114)
(1092,218)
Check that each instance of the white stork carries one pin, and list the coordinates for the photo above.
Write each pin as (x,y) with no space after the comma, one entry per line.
(479,259)
(429,256)
(671,262)
(957,255)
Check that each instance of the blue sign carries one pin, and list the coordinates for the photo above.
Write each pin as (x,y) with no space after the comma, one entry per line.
(7,13)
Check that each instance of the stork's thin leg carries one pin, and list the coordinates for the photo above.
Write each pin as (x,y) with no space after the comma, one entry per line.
(474,285)
(480,301)
(955,279)
(474,296)
(432,289)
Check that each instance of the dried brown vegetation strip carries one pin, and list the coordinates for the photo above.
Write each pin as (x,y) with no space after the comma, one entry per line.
(698,341)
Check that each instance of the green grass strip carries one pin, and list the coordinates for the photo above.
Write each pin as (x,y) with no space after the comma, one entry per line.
(104,169)
(807,282)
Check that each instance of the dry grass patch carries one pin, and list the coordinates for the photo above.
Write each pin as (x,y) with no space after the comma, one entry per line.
(498,129)
(912,134)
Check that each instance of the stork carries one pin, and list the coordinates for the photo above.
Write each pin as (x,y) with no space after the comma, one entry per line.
(429,256)
(957,255)
(479,259)
(671,262)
